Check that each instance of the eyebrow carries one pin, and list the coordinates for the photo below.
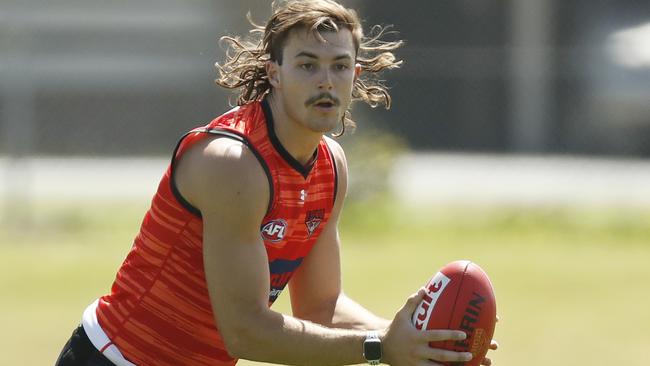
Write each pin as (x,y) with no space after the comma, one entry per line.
(344,56)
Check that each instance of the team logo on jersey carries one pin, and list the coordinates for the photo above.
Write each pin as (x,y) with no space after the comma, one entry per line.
(313,219)
(274,231)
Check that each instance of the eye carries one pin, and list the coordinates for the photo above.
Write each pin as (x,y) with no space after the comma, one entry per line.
(307,66)
(341,67)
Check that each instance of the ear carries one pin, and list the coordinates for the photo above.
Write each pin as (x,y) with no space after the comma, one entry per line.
(273,73)
(357,71)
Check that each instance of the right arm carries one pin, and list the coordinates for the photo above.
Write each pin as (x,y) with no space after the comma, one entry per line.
(224,180)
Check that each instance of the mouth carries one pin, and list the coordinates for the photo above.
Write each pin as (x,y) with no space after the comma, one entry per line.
(325,104)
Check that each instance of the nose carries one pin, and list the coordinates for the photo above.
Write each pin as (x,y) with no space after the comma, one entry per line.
(325,81)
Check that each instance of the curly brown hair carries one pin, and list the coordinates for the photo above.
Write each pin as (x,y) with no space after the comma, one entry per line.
(244,68)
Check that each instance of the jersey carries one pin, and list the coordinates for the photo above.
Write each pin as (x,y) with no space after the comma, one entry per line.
(158,311)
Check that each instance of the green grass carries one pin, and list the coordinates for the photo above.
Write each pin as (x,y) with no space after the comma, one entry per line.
(571,284)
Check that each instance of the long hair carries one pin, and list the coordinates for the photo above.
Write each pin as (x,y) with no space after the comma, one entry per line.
(244,67)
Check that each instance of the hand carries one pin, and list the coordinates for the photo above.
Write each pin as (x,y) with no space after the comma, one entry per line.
(404,345)
(494,345)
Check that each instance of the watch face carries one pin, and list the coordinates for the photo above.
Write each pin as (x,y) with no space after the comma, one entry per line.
(372,349)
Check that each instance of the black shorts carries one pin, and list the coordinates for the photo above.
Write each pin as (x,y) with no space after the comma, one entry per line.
(79,351)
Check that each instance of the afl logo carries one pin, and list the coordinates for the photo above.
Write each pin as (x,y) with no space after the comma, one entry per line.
(274,231)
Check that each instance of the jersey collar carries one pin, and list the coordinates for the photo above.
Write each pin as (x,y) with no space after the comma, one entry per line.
(303,170)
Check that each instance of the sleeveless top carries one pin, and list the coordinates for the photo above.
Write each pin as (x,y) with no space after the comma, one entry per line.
(158,311)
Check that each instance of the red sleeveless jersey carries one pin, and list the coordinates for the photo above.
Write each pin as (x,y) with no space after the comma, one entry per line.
(159,311)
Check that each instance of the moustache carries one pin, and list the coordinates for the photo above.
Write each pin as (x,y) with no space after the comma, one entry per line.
(322,97)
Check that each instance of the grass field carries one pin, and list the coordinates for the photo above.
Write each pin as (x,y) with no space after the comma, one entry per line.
(573,286)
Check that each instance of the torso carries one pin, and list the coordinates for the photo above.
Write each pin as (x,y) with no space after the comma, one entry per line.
(159,303)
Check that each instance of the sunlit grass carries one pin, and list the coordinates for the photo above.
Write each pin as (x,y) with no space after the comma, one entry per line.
(571,283)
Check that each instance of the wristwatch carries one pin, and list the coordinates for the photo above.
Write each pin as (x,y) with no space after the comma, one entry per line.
(372,348)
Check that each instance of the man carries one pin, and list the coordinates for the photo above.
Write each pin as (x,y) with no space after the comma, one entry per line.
(249,202)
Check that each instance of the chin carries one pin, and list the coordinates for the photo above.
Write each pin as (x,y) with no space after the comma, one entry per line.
(325,127)
(323,124)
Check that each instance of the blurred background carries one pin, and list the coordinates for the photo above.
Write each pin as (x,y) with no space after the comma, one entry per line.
(502,79)
(519,137)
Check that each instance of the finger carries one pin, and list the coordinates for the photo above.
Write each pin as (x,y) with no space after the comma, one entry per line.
(437,335)
(486,361)
(412,302)
(430,363)
(415,299)
(437,354)
(494,345)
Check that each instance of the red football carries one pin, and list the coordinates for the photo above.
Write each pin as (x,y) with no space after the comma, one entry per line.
(460,297)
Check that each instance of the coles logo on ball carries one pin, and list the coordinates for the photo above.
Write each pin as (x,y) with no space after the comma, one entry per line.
(434,289)
(274,231)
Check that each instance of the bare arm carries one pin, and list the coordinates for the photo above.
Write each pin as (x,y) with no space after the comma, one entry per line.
(316,290)
(223,179)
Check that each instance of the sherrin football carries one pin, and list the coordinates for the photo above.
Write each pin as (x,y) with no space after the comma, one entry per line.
(460,297)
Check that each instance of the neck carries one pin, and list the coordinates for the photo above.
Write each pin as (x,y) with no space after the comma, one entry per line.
(299,141)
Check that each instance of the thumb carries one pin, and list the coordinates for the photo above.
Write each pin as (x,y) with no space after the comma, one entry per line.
(412,302)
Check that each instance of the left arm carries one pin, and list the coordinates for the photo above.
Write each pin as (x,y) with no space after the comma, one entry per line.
(316,291)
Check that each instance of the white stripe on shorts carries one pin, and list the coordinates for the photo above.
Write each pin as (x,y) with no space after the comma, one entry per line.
(99,339)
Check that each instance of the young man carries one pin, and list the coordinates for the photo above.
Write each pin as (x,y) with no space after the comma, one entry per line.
(249,202)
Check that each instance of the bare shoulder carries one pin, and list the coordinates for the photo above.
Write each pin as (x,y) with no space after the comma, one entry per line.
(342,172)
(337,152)
(220,174)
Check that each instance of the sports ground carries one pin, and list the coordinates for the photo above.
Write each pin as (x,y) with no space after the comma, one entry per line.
(571,282)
